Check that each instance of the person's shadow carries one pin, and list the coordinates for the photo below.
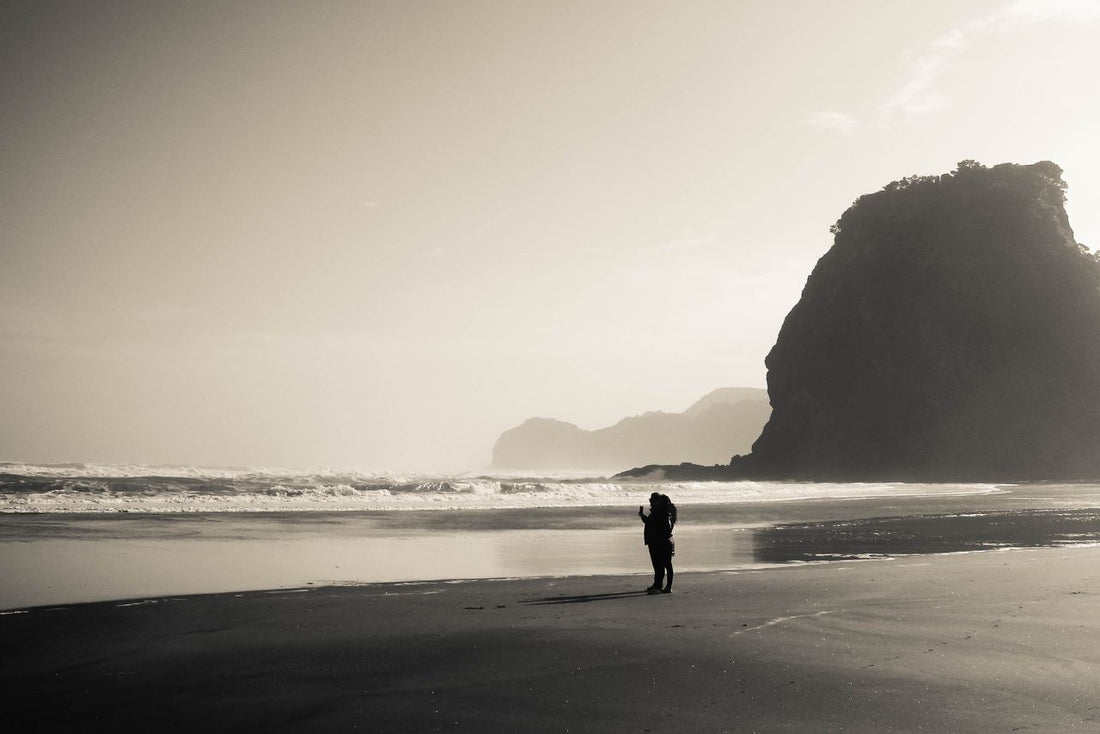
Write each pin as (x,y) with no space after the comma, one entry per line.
(584,598)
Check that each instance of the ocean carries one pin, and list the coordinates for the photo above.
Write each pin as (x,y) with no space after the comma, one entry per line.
(96,488)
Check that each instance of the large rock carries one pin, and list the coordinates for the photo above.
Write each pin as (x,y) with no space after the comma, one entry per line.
(723,422)
(952,332)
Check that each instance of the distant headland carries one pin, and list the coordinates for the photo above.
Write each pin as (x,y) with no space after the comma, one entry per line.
(722,422)
(951,333)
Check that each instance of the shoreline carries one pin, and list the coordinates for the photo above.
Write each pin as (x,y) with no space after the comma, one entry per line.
(987,641)
(641,577)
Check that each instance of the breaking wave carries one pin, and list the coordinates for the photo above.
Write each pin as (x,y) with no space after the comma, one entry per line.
(93,488)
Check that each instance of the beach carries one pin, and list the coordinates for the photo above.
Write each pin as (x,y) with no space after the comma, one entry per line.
(987,641)
(944,612)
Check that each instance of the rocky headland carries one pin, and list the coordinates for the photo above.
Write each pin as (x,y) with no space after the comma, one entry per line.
(951,333)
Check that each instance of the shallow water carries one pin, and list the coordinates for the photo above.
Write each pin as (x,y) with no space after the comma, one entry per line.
(60,570)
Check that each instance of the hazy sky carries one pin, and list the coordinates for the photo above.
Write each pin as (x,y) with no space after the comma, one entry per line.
(376,234)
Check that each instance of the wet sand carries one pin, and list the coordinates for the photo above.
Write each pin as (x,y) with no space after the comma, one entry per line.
(987,641)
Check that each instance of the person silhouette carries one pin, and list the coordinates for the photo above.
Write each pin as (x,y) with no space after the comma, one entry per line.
(658,536)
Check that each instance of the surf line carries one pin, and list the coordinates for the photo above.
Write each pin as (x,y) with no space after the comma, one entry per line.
(781,620)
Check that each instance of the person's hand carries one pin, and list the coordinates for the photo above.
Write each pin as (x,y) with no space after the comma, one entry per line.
(641,511)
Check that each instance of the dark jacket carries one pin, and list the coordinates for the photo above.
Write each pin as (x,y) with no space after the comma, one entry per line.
(658,526)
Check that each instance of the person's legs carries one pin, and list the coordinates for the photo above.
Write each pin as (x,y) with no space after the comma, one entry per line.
(668,572)
(658,561)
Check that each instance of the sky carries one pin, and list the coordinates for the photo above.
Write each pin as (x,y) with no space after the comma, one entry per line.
(374,235)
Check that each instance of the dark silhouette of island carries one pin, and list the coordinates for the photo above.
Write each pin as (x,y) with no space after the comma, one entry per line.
(723,422)
(951,333)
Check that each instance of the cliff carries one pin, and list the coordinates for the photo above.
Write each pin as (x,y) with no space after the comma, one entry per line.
(720,424)
(952,332)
